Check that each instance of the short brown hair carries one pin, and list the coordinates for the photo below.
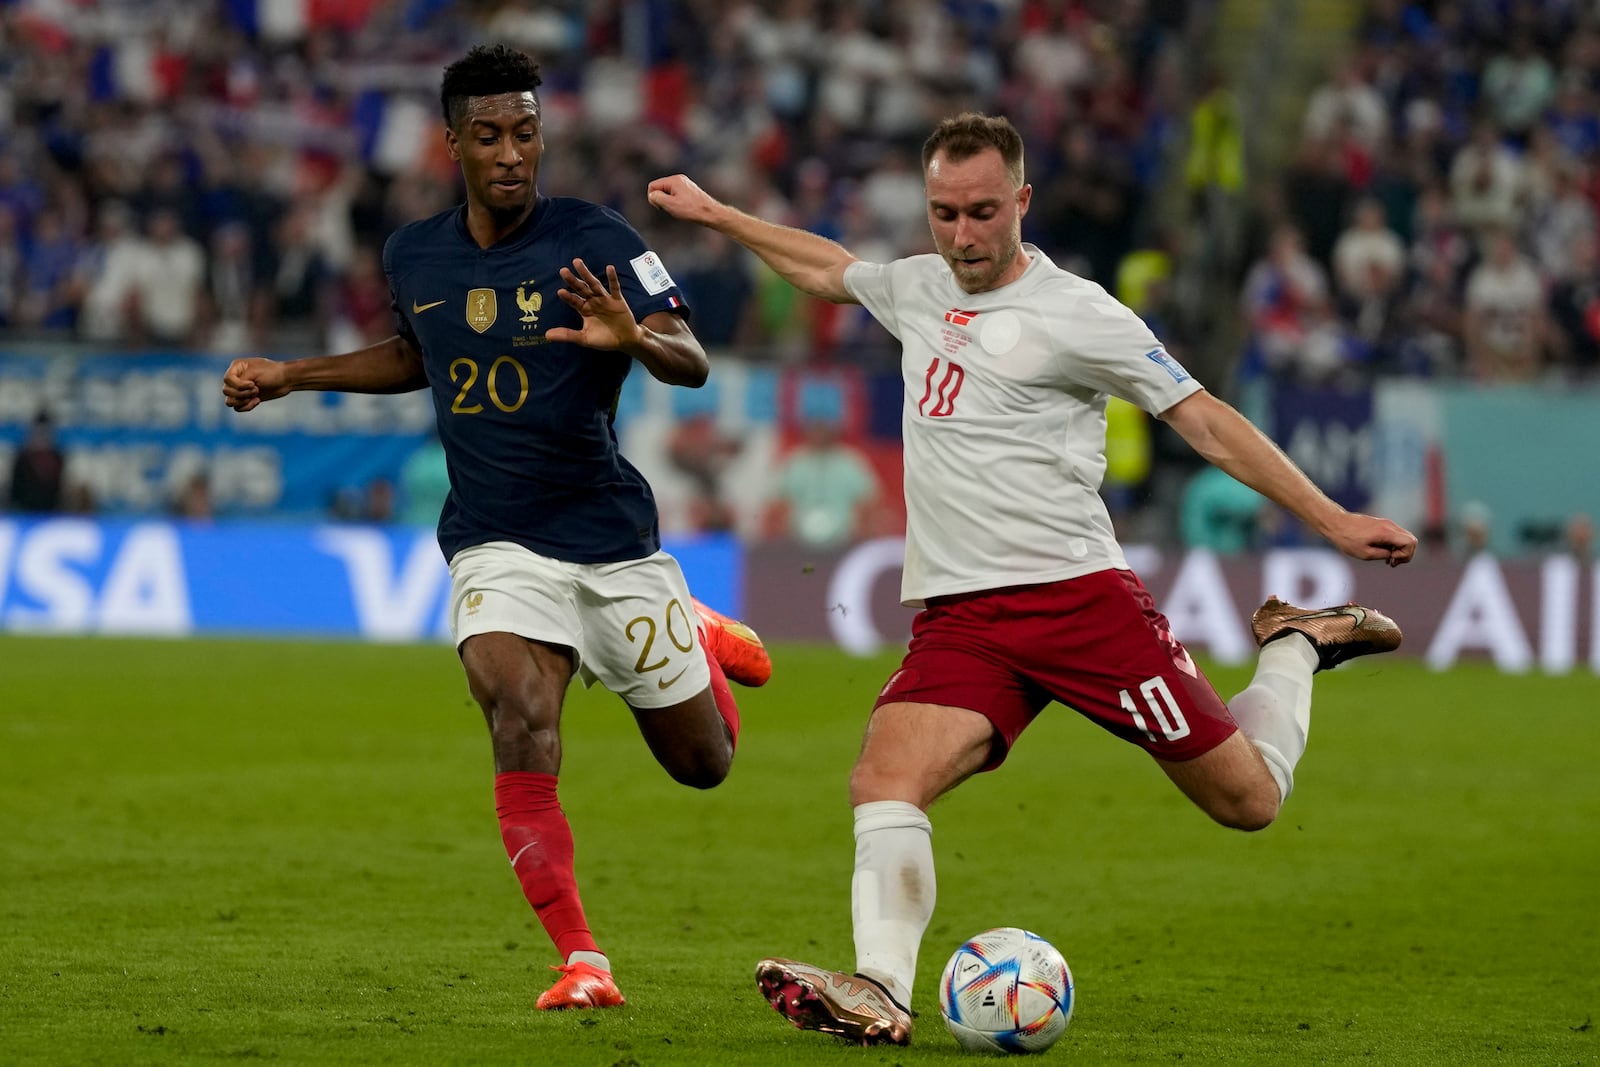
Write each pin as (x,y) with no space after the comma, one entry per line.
(964,136)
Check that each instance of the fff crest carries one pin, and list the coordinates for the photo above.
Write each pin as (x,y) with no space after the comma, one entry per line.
(482,309)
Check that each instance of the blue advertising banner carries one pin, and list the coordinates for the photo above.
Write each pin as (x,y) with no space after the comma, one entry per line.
(135,429)
(380,583)
(1329,433)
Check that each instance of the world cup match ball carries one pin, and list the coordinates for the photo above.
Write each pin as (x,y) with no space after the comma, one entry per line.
(1006,990)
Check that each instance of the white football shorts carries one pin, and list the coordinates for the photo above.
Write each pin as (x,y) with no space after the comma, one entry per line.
(631,625)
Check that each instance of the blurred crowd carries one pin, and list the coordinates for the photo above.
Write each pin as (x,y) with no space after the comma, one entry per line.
(221,174)
(1439,217)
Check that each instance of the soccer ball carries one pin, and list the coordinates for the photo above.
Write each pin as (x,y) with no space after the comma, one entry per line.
(1006,990)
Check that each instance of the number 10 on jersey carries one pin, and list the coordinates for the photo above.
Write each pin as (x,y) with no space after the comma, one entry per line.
(941,385)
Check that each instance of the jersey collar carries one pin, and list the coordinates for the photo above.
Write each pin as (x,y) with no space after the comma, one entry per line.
(541,208)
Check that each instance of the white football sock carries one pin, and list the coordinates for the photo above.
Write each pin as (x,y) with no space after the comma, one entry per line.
(1274,710)
(593,959)
(892,893)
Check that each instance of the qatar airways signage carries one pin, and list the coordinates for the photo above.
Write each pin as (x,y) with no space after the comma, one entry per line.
(1520,615)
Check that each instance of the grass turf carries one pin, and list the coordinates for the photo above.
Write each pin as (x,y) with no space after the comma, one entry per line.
(232,851)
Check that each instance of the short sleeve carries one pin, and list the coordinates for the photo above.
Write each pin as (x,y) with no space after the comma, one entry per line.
(402,324)
(1113,351)
(873,285)
(607,239)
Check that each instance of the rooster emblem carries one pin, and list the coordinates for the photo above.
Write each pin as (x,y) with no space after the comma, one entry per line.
(530,303)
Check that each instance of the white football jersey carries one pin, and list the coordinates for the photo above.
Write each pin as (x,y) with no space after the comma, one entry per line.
(1004,422)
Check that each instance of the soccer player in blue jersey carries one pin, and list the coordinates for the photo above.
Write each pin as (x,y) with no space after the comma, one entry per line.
(523,314)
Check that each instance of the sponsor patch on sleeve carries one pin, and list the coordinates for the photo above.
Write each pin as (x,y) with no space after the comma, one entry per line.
(1173,367)
(652,273)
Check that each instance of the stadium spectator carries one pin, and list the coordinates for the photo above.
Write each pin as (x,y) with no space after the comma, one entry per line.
(827,490)
(698,449)
(551,535)
(1579,537)
(1326,351)
(1086,208)
(1474,529)
(165,283)
(1573,119)
(1024,593)
(1487,182)
(1505,326)
(1428,324)
(107,271)
(1368,258)
(229,123)
(885,193)
(1575,306)
(1280,292)
(1213,170)
(234,310)
(1438,248)
(1369,263)
(1518,84)
(1317,193)
(300,277)
(718,279)
(1347,102)
(38,471)
(1557,216)
(50,265)
(360,313)
(193,501)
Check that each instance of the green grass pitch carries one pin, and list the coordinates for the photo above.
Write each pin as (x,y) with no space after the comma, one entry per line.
(224,852)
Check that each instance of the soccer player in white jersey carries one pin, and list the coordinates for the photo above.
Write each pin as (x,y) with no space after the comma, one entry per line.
(1025,594)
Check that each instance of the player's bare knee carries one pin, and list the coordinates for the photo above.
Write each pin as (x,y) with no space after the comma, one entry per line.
(1248,810)
(702,769)
(870,781)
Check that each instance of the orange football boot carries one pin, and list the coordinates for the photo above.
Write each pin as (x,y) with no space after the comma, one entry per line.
(581,985)
(735,646)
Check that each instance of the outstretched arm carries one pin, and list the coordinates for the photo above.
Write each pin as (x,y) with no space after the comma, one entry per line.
(1228,440)
(391,366)
(810,263)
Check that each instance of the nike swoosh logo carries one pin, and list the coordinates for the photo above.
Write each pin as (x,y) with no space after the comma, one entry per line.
(1353,612)
(417,309)
(664,683)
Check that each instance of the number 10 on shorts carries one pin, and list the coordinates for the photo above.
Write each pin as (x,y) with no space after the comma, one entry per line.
(1158,698)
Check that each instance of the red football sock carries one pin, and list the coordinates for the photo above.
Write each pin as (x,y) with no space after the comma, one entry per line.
(727,707)
(539,841)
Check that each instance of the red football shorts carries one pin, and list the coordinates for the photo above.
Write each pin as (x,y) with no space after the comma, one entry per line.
(1096,644)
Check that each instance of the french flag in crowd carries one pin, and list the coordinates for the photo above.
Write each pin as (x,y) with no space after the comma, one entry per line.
(290,20)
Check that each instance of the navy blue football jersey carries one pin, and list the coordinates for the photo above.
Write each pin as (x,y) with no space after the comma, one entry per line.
(527,423)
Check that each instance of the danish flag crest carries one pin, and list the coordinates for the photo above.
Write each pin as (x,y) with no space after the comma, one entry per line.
(957,317)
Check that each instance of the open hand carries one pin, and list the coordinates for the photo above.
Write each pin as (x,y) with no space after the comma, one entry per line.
(608,322)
